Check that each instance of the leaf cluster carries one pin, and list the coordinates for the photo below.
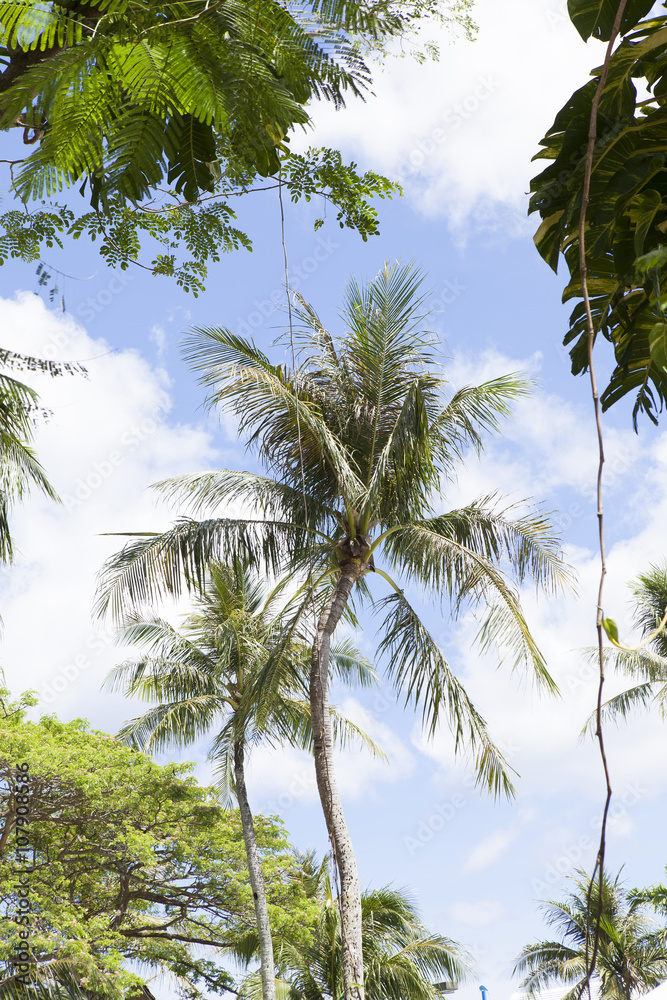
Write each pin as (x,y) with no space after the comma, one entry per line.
(192,235)
(626,216)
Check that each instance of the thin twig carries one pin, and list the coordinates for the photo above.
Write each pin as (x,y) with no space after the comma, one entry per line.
(591,958)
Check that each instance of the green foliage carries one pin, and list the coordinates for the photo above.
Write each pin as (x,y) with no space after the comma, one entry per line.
(154,109)
(323,171)
(627,212)
(25,233)
(366,431)
(401,957)
(134,863)
(192,235)
(632,954)
(123,94)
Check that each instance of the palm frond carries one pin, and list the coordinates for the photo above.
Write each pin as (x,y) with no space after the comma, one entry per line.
(421,674)
(457,554)
(156,565)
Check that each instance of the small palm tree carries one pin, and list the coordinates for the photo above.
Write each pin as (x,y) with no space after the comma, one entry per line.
(631,958)
(212,671)
(360,440)
(401,958)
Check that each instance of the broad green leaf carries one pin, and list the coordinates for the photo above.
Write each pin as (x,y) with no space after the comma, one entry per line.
(595,18)
(658,344)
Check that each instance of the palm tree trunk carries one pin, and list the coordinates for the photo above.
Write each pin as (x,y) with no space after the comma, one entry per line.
(350,889)
(256,878)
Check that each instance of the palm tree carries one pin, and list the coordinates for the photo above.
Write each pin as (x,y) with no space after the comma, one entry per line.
(211,671)
(648,662)
(401,958)
(19,469)
(631,959)
(359,441)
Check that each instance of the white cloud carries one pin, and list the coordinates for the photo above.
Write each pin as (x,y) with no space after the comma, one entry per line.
(486,911)
(491,849)
(460,133)
(109,437)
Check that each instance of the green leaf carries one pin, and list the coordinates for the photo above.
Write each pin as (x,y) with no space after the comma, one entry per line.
(658,344)
(611,628)
(595,18)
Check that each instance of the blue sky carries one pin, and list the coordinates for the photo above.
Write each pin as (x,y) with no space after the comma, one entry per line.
(460,134)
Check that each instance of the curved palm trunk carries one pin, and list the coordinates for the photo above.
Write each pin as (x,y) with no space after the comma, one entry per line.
(350,890)
(256,878)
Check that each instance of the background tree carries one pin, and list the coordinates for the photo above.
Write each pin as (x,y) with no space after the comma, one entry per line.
(631,957)
(209,673)
(648,663)
(360,441)
(135,865)
(656,897)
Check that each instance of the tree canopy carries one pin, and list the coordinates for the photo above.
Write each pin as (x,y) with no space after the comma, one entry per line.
(161,112)
(136,866)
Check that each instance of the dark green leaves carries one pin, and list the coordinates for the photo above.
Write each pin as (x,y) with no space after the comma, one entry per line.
(595,18)
(627,210)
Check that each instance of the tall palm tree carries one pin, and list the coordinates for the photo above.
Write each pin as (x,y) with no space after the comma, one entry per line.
(210,672)
(631,959)
(360,440)
(19,469)
(401,957)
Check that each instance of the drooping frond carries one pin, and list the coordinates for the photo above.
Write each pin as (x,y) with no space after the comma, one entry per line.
(457,554)
(421,675)
(19,468)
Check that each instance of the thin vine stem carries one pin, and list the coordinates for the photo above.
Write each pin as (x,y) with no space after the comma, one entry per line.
(591,956)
